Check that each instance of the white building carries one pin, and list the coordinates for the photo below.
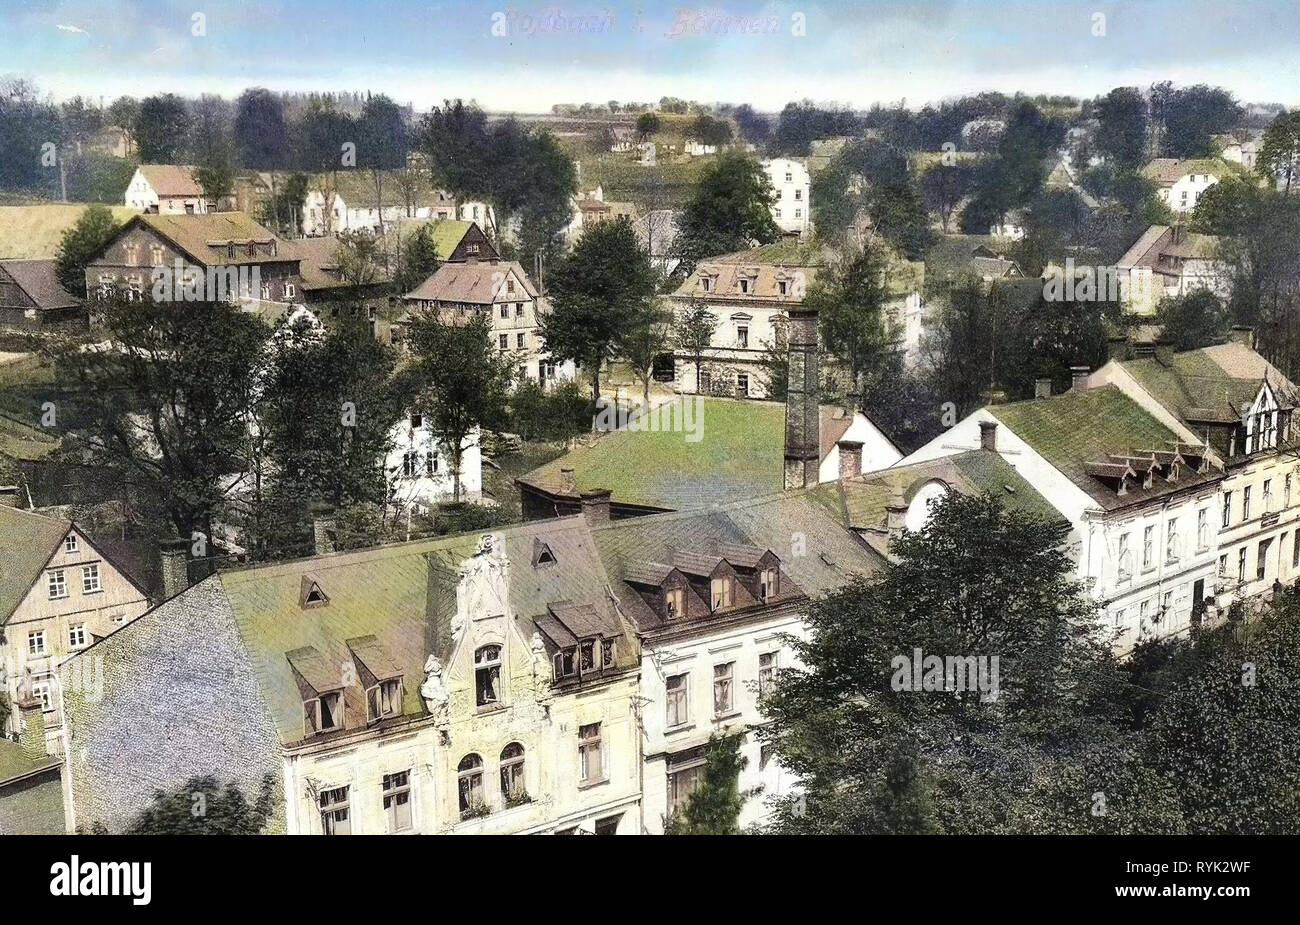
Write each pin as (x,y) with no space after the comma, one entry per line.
(792,210)
(1010,227)
(1180,183)
(419,467)
(1168,261)
(166,189)
(347,201)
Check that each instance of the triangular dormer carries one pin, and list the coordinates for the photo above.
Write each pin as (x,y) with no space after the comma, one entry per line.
(311,594)
(542,554)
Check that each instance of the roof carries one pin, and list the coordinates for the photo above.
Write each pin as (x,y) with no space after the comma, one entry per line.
(739,455)
(205,237)
(39,280)
(172,180)
(1166,171)
(318,268)
(357,188)
(29,232)
(1076,429)
(475,282)
(1212,384)
(1158,241)
(15,763)
(27,540)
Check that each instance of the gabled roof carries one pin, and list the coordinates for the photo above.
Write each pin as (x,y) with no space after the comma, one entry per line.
(356,187)
(27,541)
(38,279)
(205,237)
(1166,171)
(1159,241)
(476,283)
(173,180)
(1078,429)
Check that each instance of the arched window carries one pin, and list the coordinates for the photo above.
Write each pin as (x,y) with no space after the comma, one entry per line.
(470,784)
(487,675)
(512,774)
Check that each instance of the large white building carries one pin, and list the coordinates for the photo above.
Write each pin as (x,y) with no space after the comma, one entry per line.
(792,210)
(166,189)
(1180,183)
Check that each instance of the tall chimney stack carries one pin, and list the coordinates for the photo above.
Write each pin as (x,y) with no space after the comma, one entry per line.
(1079,378)
(8,496)
(175,567)
(33,734)
(323,529)
(989,436)
(850,458)
(802,414)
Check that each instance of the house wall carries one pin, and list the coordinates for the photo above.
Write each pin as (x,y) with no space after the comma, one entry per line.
(877,450)
(424,489)
(792,210)
(1181,196)
(100,613)
(141,195)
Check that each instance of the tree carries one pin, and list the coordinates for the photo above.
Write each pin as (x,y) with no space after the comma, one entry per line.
(161,128)
(1279,155)
(1192,116)
(1122,129)
(461,378)
(124,113)
(709,130)
(714,806)
(944,187)
(646,337)
(382,144)
(1197,319)
(261,140)
(358,258)
(202,806)
(417,258)
(730,210)
(850,298)
(754,128)
(869,185)
(599,293)
(693,334)
(80,244)
(647,124)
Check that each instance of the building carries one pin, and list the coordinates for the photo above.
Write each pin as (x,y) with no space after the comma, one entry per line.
(1237,404)
(166,189)
(229,256)
(31,788)
(656,232)
(591,208)
(419,467)
(352,200)
(1138,494)
(1169,261)
(59,594)
(1179,183)
(792,210)
(32,299)
(1010,227)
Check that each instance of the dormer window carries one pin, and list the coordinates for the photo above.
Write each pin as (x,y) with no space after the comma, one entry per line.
(783,287)
(566,662)
(767,585)
(487,675)
(70,541)
(744,285)
(719,593)
(311,594)
(230,250)
(706,284)
(384,700)
(323,713)
(673,603)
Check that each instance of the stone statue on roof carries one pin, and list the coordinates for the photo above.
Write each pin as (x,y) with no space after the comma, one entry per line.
(434,689)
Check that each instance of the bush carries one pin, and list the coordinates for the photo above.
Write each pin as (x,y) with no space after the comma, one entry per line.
(558,414)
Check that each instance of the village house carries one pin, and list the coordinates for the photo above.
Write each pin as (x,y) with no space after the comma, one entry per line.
(1010,227)
(1138,495)
(792,210)
(1231,400)
(419,467)
(235,258)
(1179,183)
(59,594)
(1168,261)
(590,208)
(167,189)
(32,299)
(351,200)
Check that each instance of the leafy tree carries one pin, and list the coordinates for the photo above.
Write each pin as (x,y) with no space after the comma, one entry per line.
(281,210)
(714,806)
(460,378)
(27,124)
(944,187)
(1191,116)
(693,334)
(710,130)
(646,337)
(754,128)
(647,124)
(80,244)
(261,133)
(417,258)
(202,806)
(81,119)
(1197,319)
(161,128)
(1122,132)
(850,297)
(124,113)
(599,293)
(1279,155)
(730,210)
(382,143)
(799,124)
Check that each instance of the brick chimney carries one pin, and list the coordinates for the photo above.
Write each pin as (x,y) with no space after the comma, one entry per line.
(8,495)
(1079,378)
(175,567)
(802,415)
(1043,387)
(33,734)
(595,506)
(850,458)
(989,436)
(323,531)
(568,482)
(1242,334)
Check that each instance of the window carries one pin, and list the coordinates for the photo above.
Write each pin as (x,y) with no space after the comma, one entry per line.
(1148,544)
(513,789)
(783,287)
(504,341)
(720,593)
(1122,558)
(510,285)
(1295,550)
(334,816)
(289,290)
(1223,565)
(608,825)
(1144,611)
(43,690)
(766,672)
(767,584)
(1227,509)
(521,340)
(431,464)
(323,713)
(1167,604)
(742,384)
(743,283)
(723,701)
(788,177)
(77,635)
(505,309)
(1202,529)
(566,662)
(1245,503)
(681,784)
(36,642)
(487,675)
(56,584)
(673,602)
(384,699)
(1171,540)
(70,541)
(519,309)
(90,578)
(1261,560)
(1268,495)
(469,783)
(742,336)
(1241,564)
(590,760)
(409,463)
(677,700)
(587,656)
(607,653)
(266,290)
(705,283)
(397,800)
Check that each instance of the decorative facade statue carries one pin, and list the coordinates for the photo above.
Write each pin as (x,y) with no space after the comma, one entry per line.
(434,689)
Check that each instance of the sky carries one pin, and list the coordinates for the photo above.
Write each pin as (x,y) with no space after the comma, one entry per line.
(525,57)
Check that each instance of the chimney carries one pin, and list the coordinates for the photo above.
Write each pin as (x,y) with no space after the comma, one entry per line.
(175,567)
(568,482)
(850,458)
(322,529)
(802,415)
(1242,334)
(33,734)
(895,516)
(595,506)
(1079,378)
(1043,387)
(8,495)
(993,396)
(989,436)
